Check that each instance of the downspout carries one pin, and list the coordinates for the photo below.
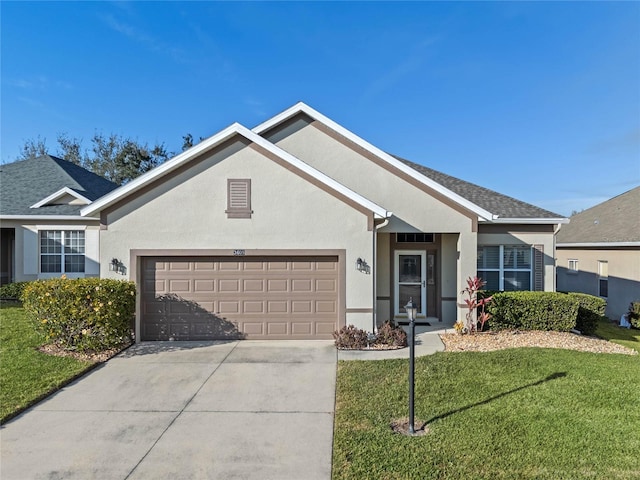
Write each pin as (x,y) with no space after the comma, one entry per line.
(374,262)
(555,259)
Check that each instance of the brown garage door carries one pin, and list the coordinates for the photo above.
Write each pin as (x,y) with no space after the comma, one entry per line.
(211,298)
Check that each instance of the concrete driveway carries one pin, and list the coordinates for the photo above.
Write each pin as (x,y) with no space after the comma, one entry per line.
(174,410)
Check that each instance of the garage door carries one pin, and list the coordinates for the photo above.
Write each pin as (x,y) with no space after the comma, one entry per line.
(212,298)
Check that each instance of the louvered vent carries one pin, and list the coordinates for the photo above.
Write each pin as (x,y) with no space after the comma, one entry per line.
(238,198)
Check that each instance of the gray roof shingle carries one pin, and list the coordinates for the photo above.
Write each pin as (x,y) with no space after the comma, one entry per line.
(26,182)
(615,220)
(494,202)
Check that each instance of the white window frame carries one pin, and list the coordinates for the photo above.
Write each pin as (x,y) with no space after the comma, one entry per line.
(572,266)
(62,254)
(501,268)
(603,276)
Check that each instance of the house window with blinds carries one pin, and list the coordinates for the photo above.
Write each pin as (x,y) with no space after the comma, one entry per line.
(506,267)
(238,198)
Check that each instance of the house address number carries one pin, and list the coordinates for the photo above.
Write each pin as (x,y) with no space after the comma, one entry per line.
(239,253)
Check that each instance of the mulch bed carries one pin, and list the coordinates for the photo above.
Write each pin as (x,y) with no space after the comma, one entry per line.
(94,357)
(487,341)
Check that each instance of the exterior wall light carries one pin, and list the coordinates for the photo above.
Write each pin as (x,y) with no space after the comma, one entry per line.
(117,266)
(362,266)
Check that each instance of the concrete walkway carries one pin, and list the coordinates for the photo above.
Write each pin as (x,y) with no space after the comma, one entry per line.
(174,410)
(427,342)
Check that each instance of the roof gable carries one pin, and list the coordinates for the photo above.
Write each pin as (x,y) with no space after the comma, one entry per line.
(486,204)
(211,143)
(616,220)
(36,186)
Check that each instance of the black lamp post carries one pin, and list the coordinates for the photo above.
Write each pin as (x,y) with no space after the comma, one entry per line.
(411,309)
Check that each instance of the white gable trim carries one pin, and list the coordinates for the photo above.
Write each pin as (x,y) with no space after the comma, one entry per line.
(213,141)
(60,193)
(301,107)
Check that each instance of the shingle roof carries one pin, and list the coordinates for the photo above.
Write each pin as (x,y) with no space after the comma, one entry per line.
(616,220)
(26,182)
(494,202)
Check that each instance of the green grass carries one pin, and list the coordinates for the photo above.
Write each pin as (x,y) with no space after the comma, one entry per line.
(511,414)
(629,337)
(26,375)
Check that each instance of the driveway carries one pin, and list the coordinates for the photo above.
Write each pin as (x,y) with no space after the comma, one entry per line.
(174,410)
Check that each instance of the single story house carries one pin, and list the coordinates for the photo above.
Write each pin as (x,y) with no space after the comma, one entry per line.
(298,227)
(43,234)
(599,252)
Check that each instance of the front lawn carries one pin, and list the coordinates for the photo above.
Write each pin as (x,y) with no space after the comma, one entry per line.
(629,337)
(26,375)
(509,414)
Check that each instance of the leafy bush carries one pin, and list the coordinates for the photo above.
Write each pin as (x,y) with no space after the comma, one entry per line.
(12,291)
(590,311)
(533,311)
(351,338)
(87,314)
(634,314)
(391,335)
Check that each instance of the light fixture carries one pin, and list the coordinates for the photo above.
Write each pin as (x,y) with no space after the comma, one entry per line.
(117,266)
(412,310)
(362,266)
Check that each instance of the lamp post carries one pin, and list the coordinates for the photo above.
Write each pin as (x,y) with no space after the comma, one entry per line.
(411,309)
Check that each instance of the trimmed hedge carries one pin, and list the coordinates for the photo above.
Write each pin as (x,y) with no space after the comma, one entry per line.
(590,311)
(532,311)
(12,291)
(86,314)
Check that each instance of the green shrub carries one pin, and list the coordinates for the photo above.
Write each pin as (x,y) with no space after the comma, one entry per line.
(533,311)
(87,314)
(634,314)
(590,311)
(351,338)
(391,335)
(12,291)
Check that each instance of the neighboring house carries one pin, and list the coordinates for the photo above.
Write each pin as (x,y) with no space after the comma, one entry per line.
(298,227)
(599,252)
(43,234)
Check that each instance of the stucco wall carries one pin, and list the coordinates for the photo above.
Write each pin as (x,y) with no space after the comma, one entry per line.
(187,211)
(413,209)
(26,260)
(624,275)
(516,237)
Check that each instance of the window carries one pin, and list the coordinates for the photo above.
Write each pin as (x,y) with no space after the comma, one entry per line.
(61,251)
(573,265)
(505,267)
(238,198)
(414,237)
(603,278)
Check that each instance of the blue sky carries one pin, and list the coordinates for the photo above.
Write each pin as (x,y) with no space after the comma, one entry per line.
(540,100)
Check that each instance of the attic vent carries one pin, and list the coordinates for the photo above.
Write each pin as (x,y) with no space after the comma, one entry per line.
(238,198)
(414,237)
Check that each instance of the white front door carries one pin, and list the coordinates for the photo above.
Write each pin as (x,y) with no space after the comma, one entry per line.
(410,280)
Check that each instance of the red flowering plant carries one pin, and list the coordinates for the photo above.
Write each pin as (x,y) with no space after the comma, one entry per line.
(475,304)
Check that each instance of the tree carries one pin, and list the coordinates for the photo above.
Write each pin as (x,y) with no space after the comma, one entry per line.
(119,159)
(70,149)
(33,149)
(122,159)
(187,141)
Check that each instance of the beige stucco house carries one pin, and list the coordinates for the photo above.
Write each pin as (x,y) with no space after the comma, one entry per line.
(299,226)
(599,252)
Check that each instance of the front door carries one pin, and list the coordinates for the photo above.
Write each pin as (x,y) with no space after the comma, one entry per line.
(410,281)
